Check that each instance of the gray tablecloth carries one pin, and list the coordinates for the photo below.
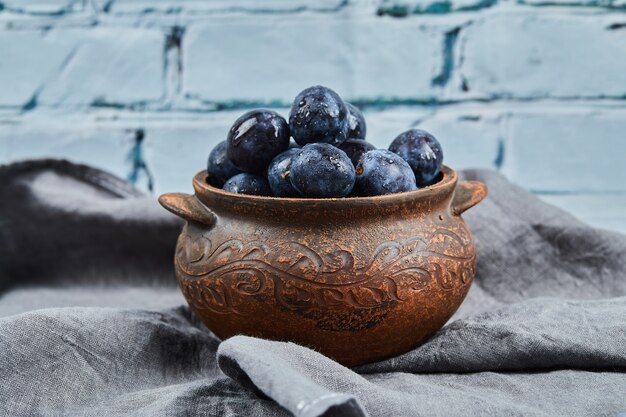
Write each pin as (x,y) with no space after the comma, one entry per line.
(91,323)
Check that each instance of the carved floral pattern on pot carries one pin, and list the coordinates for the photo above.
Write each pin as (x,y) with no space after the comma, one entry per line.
(220,278)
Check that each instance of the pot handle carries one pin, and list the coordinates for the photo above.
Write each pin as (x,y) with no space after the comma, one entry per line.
(467,195)
(189,208)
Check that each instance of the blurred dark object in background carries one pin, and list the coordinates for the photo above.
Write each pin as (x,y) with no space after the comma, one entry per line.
(60,223)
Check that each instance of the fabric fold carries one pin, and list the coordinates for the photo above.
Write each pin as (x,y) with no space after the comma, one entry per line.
(279,371)
(538,334)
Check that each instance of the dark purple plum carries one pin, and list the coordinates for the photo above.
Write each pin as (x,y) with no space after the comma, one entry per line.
(321,170)
(318,114)
(355,149)
(256,138)
(356,121)
(423,153)
(246,183)
(383,172)
(278,174)
(219,167)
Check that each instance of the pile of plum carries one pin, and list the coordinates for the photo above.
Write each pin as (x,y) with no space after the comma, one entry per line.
(330,157)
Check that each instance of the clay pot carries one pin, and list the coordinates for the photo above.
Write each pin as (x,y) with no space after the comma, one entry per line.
(358,279)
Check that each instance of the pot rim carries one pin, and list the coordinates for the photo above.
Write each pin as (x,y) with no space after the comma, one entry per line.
(210,195)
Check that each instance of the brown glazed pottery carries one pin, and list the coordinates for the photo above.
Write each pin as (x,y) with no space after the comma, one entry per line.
(357,279)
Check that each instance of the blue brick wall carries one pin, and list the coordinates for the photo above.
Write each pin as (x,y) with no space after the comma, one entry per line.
(533,88)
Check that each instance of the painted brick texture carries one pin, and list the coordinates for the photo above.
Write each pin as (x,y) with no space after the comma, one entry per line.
(535,89)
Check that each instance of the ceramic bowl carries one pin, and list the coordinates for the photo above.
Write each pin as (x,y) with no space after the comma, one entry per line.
(357,279)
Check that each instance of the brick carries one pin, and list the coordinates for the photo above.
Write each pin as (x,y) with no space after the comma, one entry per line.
(575,3)
(599,210)
(546,150)
(177,149)
(76,138)
(41,7)
(169,6)
(270,58)
(6,114)
(29,60)
(402,8)
(109,64)
(581,152)
(552,55)
(176,146)
(384,125)
(469,139)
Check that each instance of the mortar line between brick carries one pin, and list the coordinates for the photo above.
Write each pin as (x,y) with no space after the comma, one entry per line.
(191,106)
(173,65)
